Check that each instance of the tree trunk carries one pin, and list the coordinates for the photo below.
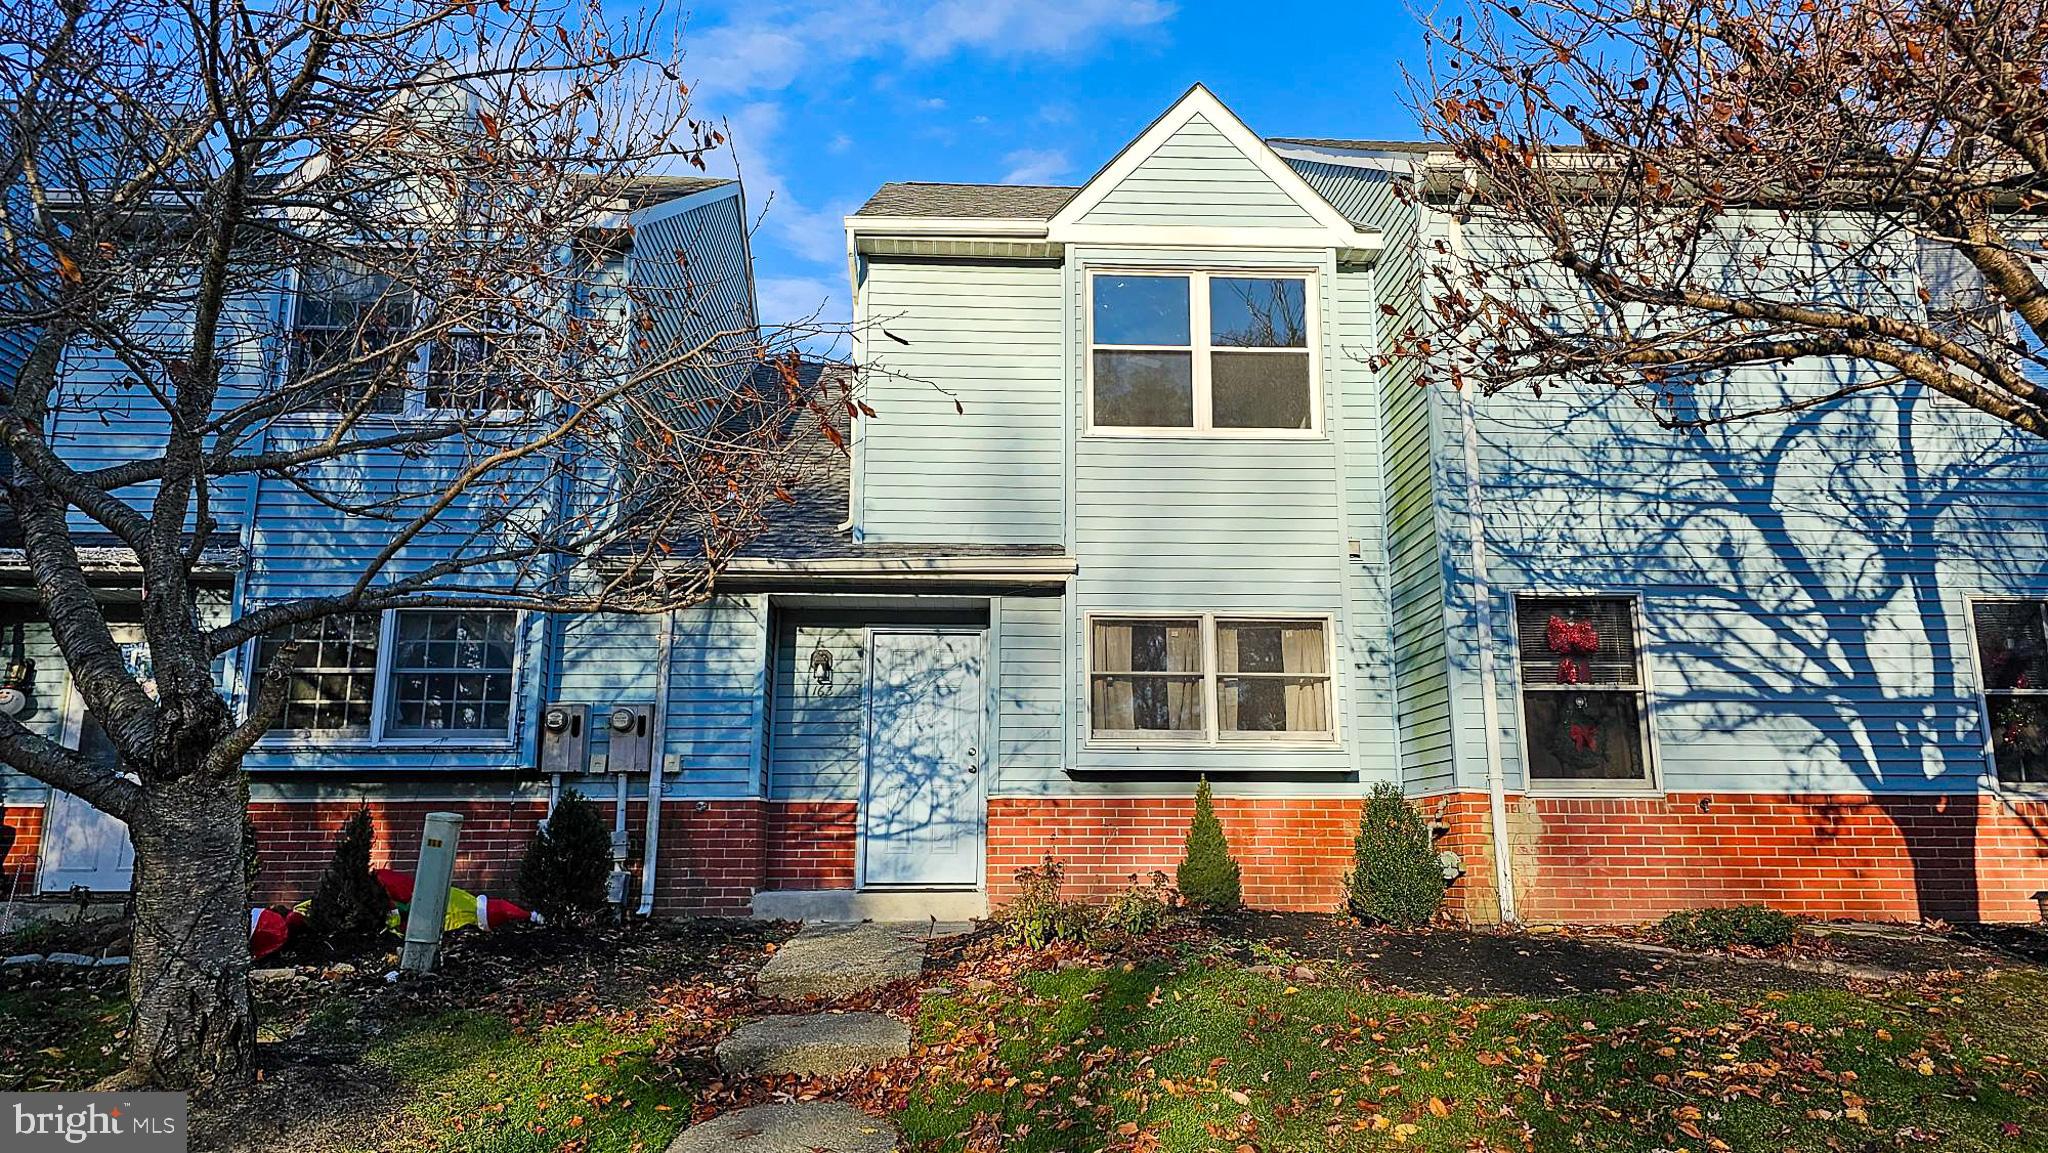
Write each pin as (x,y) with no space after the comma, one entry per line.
(192,1026)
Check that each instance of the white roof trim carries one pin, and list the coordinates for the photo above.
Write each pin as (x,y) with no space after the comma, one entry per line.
(684,203)
(1199,101)
(1015,569)
(945,226)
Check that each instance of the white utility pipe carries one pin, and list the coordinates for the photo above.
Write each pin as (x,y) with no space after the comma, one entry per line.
(1482,609)
(657,762)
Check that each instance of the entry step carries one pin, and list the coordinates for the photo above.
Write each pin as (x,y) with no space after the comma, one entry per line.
(952,906)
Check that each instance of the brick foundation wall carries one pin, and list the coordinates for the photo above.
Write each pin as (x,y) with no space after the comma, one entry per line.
(811,844)
(295,840)
(18,865)
(1962,857)
(1294,852)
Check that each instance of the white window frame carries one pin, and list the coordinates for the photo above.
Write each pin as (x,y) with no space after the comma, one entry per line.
(1651,782)
(380,699)
(1200,350)
(413,400)
(1211,735)
(1982,692)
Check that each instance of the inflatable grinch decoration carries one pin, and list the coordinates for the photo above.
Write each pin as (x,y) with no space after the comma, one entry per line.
(272,928)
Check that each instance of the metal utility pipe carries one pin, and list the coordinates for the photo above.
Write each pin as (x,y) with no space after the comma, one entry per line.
(657,762)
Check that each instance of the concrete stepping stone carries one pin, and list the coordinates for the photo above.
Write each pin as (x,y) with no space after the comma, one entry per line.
(834,961)
(798,1127)
(813,1044)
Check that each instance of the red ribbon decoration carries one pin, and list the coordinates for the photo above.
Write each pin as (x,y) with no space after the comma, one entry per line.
(1576,637)
(1586,737)
(1570,672)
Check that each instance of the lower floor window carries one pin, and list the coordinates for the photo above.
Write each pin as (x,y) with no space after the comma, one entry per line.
(1209,678)
(1582,690)
(435,672)
(2012,667)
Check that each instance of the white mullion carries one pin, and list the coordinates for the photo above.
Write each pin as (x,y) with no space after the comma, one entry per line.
(1212,698)
(1198,349)
(387,628)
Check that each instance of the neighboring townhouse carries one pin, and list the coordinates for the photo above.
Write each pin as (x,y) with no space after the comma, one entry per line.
(406,711)
(1151,493)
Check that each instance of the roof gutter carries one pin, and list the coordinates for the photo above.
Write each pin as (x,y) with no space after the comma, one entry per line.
(1019,228)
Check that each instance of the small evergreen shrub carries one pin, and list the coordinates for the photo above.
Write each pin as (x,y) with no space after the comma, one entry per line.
(1038,917)
(1141,907)
(1207,876)
(564,870)
(1395,877)
(349,906)
(1758,926)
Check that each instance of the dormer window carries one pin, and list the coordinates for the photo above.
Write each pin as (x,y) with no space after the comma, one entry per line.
(1229,353)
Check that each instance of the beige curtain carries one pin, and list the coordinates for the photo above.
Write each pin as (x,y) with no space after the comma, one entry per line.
(1303,651)
(1117,687)
(1113,699)
(1302,674)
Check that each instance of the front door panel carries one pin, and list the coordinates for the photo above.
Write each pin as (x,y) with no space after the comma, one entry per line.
(921,811)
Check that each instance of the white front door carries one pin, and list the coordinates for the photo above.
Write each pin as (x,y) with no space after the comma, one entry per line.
(921,804)
(82,846)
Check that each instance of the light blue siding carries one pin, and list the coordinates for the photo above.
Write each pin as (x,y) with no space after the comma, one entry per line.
(964,374)
(1198,177)
(1208,524)
(1413,558)
(1368,635)
(718,688)
(1030,648)
(815,746)
(1803,579)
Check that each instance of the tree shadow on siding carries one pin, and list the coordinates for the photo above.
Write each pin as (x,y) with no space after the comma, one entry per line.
(1804,582)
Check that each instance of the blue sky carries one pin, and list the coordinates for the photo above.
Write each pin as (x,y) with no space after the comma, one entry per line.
(828,101)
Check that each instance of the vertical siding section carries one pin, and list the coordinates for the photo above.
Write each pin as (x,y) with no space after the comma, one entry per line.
(1198,177)
(1414,573)
(1369,627)
(964,374)
(690,273)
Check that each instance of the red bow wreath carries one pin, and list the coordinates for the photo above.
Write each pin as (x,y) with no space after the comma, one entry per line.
(1586,737)
(1573,637)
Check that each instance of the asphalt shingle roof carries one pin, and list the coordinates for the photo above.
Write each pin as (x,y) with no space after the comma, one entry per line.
(979,201)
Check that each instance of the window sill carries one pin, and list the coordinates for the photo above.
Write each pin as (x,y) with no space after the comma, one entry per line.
(1569,792)
(292,743)
(1113,745)
(1232,436)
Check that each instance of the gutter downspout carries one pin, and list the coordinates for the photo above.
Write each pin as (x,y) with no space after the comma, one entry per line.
(1482,609)
(657,763)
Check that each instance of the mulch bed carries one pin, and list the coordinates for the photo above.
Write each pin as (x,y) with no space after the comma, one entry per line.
(1615,959)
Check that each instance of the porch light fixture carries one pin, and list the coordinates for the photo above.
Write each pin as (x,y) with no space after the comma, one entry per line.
(20,679)
(821,665)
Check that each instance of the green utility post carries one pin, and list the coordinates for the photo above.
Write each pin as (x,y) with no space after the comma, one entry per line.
(430,892)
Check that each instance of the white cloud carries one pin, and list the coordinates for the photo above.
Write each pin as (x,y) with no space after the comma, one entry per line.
(840,144)
(933,103)
(765,47)
(792,299)
(1035,166)
(811,233)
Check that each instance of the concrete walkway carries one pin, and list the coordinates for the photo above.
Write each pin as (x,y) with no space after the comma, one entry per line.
(822,964)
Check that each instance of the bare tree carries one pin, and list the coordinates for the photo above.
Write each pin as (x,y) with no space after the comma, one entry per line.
(449,185)
(1696,187)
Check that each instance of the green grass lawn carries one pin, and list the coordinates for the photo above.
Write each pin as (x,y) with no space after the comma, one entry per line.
(1194,1057)
(1191,1051)
(476,1083)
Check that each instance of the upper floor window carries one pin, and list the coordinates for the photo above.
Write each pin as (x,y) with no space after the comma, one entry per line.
(2012,665)
(346,315)
(408,674)
(1583,697)
(1201,352)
